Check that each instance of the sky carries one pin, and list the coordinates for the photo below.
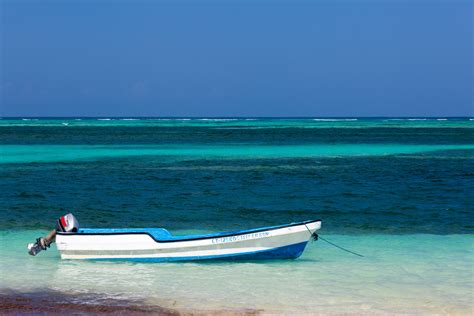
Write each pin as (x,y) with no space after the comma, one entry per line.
(236,58)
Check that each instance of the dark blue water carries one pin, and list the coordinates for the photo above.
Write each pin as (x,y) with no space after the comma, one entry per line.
(359,177)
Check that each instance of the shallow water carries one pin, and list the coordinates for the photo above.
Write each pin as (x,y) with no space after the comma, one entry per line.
(397,190)
(404,274)
(175,153)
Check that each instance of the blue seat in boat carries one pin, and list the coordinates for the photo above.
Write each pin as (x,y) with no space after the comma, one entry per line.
(157,233)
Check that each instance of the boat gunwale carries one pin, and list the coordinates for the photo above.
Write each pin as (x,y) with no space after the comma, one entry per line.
(198,237)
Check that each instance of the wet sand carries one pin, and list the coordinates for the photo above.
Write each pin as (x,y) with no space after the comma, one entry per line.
(57,303)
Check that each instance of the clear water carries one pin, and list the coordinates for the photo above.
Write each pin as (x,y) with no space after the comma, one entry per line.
(398,191)
(404,274)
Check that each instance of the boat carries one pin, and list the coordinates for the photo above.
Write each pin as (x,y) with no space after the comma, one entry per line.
(158,245)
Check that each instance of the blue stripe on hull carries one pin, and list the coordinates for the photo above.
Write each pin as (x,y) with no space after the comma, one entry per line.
(286,252)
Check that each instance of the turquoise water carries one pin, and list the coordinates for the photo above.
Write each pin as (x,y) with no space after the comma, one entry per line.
(398,191)
(71,153)
(403,274)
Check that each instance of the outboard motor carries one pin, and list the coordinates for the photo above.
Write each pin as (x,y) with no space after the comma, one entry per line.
(66,224)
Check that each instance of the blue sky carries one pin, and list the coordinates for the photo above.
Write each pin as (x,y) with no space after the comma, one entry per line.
(236,58)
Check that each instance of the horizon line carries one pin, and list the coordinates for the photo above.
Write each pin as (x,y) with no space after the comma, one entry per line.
(231,117)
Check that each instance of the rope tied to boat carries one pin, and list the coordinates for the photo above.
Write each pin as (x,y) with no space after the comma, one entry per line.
(315,236)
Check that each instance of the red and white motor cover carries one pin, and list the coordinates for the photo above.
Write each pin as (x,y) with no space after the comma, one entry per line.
(67,223)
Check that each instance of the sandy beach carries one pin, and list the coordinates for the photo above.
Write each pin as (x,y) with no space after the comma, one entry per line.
(57,303)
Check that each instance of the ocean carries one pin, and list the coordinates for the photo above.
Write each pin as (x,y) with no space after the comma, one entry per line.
(397,190)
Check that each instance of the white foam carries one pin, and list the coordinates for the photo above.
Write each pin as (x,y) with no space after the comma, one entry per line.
(441,119)
(104,119)
(334,120)
(170,119)
(129,119)
(216,120)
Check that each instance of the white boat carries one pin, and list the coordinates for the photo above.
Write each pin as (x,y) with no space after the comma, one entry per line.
(157,244)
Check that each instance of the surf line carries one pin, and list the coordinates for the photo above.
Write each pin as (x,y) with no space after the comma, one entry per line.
(315,237)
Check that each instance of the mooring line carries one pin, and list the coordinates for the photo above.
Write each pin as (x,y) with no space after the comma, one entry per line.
(315,236)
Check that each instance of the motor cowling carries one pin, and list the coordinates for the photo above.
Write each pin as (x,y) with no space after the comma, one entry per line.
(67,223)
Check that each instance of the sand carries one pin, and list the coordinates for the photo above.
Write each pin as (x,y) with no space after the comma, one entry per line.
(57,303)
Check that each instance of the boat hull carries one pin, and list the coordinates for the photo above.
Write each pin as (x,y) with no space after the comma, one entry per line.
(278,242)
